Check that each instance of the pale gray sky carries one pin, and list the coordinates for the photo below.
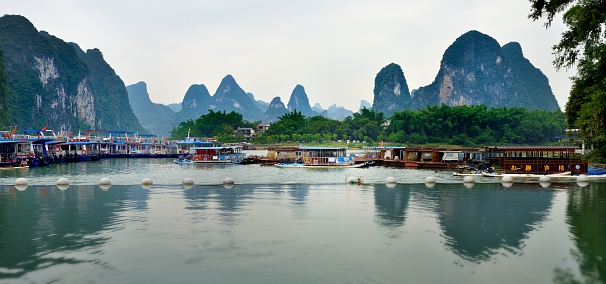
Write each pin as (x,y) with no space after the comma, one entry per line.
(333,48)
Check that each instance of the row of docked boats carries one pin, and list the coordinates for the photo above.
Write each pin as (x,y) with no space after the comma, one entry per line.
(489,161)
(531,163)
(43,147)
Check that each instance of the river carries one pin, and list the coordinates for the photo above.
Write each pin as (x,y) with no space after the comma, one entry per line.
(293,225)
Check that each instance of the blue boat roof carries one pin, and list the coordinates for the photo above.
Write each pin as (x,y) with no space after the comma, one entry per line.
(192,141)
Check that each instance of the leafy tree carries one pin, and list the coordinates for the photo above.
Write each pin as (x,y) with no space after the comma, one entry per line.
(220,124)
(583,45)
(3,93)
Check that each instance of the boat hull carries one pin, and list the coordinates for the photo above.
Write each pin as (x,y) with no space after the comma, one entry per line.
(298,165)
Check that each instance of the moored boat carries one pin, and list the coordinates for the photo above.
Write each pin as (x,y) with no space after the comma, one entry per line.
(323,157)
(536,159)
(212,152)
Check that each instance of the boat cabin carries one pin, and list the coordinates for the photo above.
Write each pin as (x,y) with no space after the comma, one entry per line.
(326,156)
(536,159)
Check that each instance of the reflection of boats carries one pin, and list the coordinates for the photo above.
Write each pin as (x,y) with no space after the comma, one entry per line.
(14,167)
(323,157)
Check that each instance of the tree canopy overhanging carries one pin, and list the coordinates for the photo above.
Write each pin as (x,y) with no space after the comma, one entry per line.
(583,45)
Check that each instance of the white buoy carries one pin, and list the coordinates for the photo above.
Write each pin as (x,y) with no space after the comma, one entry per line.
(147,183)
(469,179)
(583,180)
(506,179)
(391,180)
(545,181)
(63,183)
(187,183)
(430,180)
(105,183)
(228,182)
(21,184)
(507,184)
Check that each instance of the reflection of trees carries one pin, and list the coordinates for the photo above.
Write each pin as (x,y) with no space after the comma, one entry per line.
(42,225)
(586,216)
(391,205)
(478,222)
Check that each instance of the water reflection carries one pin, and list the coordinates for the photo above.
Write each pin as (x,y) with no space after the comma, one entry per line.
(586,217)
(391,204)
(479,222)
(43,226)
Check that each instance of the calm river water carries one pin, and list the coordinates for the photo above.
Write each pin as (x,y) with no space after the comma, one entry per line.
(293,226)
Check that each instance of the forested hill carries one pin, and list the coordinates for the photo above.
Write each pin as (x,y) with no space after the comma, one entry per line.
(475,70)
(3,91)
(53,83)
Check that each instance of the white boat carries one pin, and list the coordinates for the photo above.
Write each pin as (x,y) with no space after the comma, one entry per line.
(473,174)
(323,157)
(212,153)
(183,161)
(302,165)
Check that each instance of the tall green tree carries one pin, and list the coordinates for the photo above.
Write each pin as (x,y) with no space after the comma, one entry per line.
(3,93)
(213,123)
(583,45)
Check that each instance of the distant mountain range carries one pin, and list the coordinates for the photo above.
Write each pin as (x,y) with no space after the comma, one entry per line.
(45,81)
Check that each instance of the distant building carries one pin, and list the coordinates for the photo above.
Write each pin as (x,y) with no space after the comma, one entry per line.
(248,133)
(262,127)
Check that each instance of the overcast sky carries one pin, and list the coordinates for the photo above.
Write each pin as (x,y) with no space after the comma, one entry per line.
(333,48)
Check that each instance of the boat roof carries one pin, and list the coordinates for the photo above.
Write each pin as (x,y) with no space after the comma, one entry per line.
(531,148)
(215,148)
(384,147)
(5,141)
(321,148)
(194,141)
(78,142)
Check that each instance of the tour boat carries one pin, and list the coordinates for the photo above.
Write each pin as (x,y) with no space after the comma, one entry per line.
(323,157)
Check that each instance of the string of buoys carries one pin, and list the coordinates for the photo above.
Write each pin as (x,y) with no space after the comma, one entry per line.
(187,183)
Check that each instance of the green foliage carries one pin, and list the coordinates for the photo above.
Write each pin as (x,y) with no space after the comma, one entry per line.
(109,89)
(3,93)
(462,125)
(219,124)
(475,126)
(583,45)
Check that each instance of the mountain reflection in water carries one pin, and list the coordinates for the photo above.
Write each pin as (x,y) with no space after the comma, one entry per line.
(304,233)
